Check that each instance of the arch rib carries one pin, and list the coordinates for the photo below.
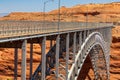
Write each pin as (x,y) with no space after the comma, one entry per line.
(93,39)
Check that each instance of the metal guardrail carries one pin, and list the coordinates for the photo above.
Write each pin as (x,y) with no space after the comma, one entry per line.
(24,28)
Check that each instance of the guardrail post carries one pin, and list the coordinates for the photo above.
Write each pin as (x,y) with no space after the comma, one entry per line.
(23,72)
(43,58)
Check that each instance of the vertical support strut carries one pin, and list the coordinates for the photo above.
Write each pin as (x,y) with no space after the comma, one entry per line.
(74,47)
(108,64)
(110,39)
(80,40)
(43,58)
(74,52)
(84,35)
(67,55)
(15,63)
(57,55)
(31,59)
(23,72)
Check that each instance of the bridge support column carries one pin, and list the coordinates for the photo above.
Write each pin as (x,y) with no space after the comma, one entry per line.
(23,72)
(31,59)
(84,35)
(43,58)
(57,56)
(80,40)
(108,64)
(74,47)
(74,53)
(67,55)
(15,63)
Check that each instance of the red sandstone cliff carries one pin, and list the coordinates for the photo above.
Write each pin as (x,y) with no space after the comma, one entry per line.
(96,12)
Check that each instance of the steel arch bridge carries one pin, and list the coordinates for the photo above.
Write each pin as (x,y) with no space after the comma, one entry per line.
(69,48)
(92,45)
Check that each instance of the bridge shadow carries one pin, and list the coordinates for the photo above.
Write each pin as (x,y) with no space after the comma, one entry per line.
(86,72)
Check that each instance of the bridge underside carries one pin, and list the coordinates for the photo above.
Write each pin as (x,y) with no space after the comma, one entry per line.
(66,58)
(86,70)
(94,66)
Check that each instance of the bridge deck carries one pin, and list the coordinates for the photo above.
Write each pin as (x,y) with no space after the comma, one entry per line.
(25,28)
(71,47)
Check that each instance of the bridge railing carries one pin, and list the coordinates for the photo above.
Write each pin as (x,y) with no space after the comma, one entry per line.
(25,28)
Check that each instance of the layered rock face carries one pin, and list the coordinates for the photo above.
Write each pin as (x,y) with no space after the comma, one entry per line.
(95,12)
(115,54)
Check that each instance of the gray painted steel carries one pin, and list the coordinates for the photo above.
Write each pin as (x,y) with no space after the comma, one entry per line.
(31,60)
(15,63)
(27,28)
(57,56)
(74,47)
(43,58)
(87,38)
(67,55)
(23,70)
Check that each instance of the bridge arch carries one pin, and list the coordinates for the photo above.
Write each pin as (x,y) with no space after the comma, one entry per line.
(90,44)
